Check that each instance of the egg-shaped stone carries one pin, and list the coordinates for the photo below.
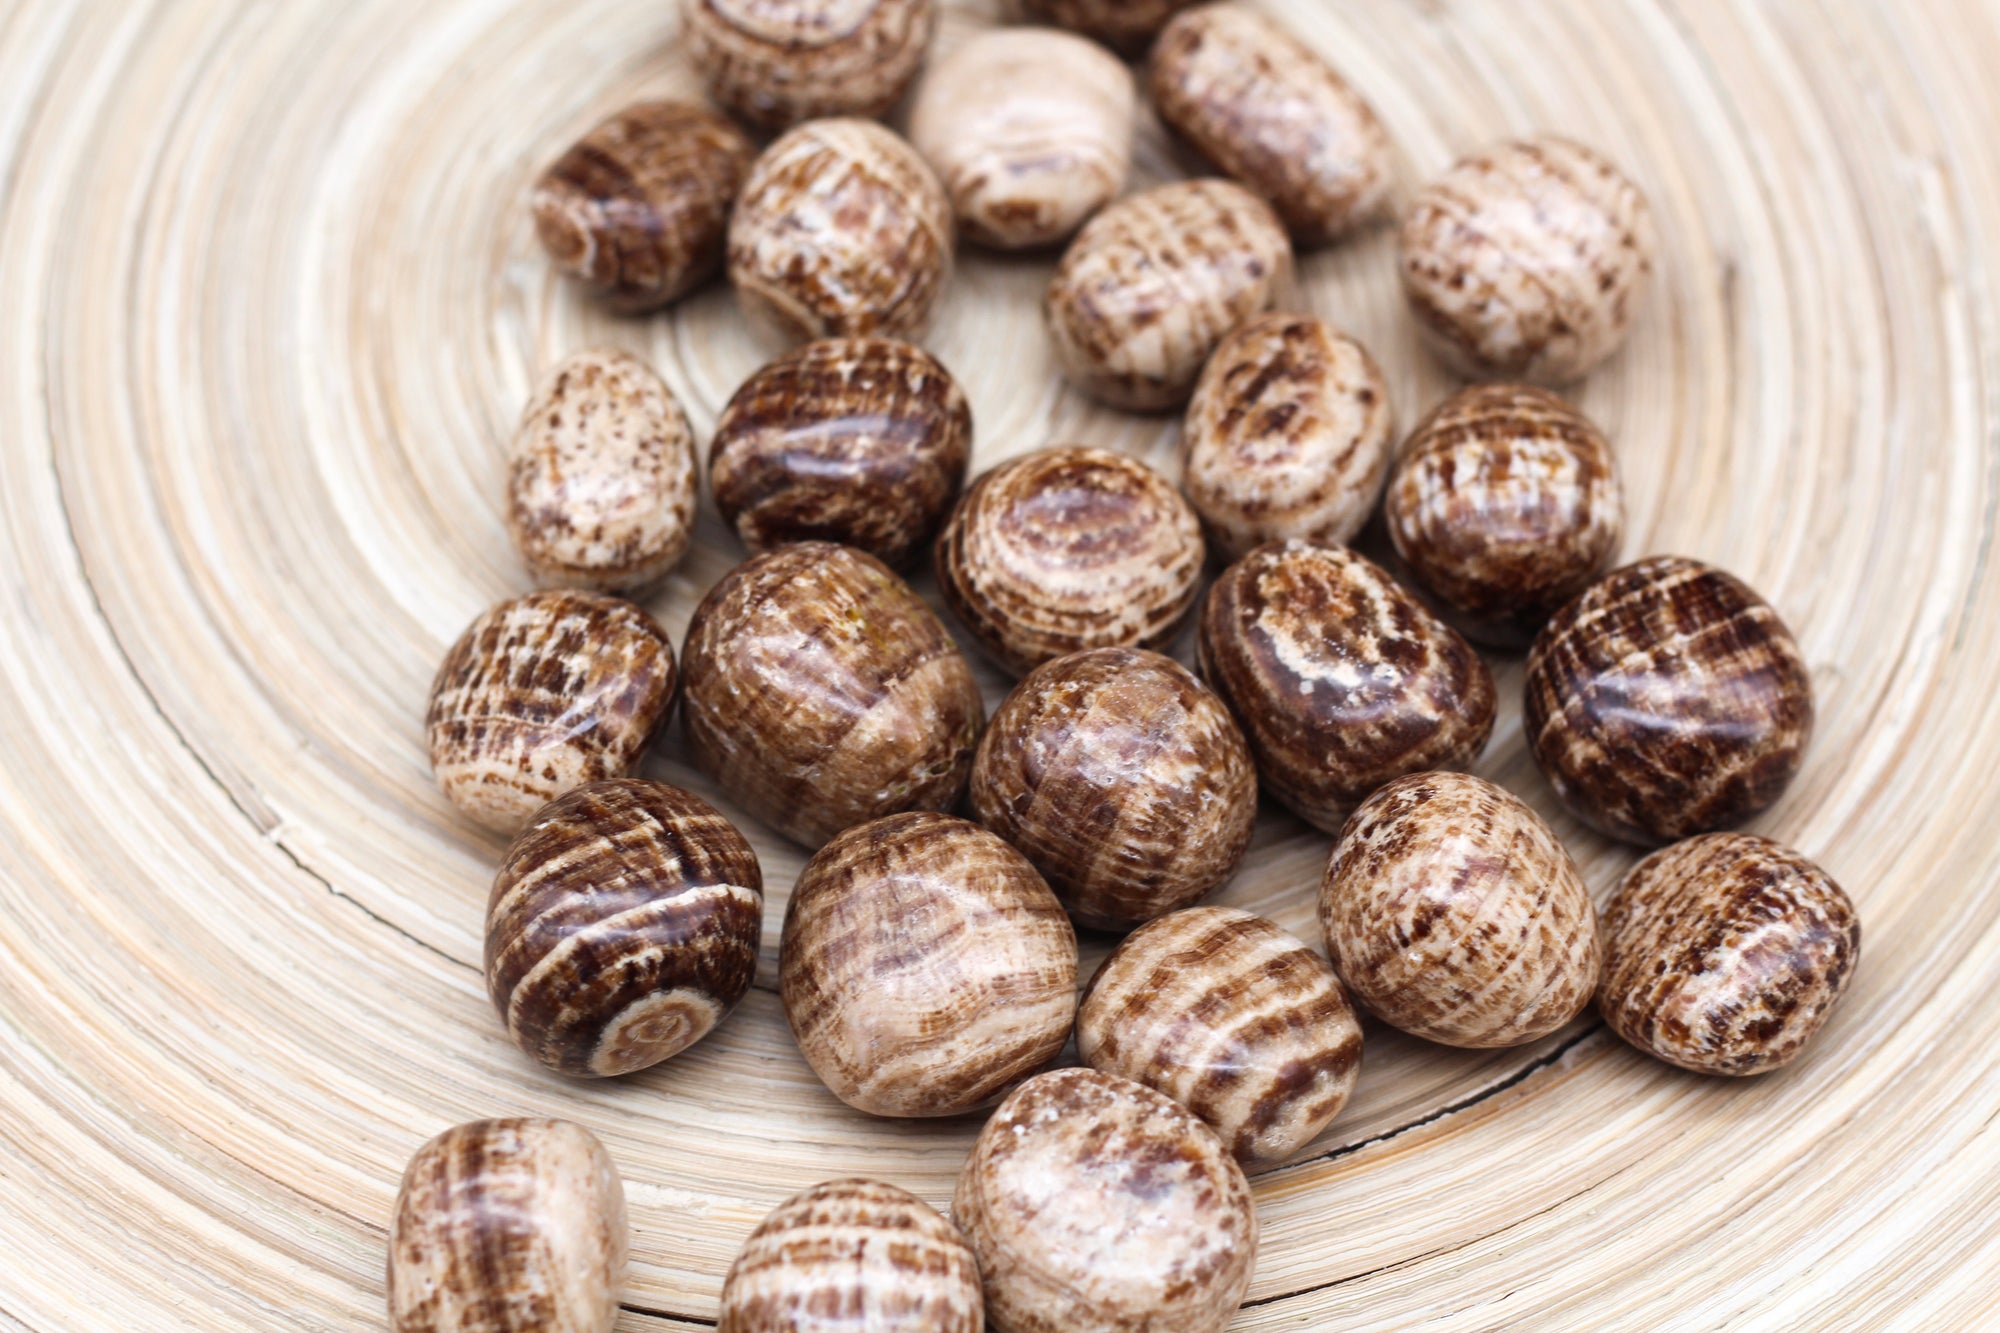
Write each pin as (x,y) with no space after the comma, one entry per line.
(821,693)
(1154,282)
(1268,111)
(840,231)
(778,62)
(1668,699)
(1528,261)
(542,694)
(1504,504)
(622,927)
(638,209)
(1233,1018)
(925,967)
(1125,781)
(1289,435)
(1094,1202)
(1452,912)
(862,441)
(1341,680)
(853,1256)
(601,476)
(1030,132)
(1725,953)
(1066,549)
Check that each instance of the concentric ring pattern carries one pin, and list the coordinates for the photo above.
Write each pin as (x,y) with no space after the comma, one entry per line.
(269,301)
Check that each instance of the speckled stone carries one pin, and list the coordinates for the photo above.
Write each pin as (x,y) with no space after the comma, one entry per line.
(1339,678)
(1234,1019)
(1505,504)
(1270,113)
(1725,953)
(1154,282)
(925,967)
(622,927)
(1030,131)
(1094,1202)
(601,476)
(853,1256)
(638,209)
(778,62)
(1668,699)
(1452,912)
(822,692)
(508,1226)
(1528,261)
(1289,435)
(841,231)
(862,441)
(1123,779)
(1066,549)
(542,694)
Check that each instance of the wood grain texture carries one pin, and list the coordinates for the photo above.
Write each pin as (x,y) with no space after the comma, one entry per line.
(273,302)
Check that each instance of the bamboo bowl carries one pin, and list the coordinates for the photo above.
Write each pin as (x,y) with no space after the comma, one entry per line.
(272,301)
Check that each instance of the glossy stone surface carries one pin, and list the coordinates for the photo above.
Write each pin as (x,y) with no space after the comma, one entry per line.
(622,927)
(1234,1019)
(1029,130)
(849,1256)
(542,694)
(1125,781)
(1505,504)
(1452,912)
(822,693)
(861,441)
(1725,954)
(601,479)
(1528,261)
(775,63)
(1154,282)
(925,967)
(1272,114)
(638,209)
(508,1226)
(1066,549)
(1668,699)
(1340,679)
(841,231)
(1094,1202)
(1289,435)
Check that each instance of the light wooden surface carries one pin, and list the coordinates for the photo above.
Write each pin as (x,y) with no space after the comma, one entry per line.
(269,302)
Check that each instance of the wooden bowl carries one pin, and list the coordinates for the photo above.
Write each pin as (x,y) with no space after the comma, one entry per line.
(274,302)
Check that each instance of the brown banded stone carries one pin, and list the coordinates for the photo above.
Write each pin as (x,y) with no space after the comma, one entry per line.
(1123,779)
(822,693)
(862,441)
(1505,504)
(639,208)
(622,927)
(1273,115)
(925,968)
(542,694)
(1667,699)
(1094,1202)
(1725,953)
(1234,1019)
(1528,261)
(1066,549)
(508,1226)
(1341,680)
(1154,282)
(1452,912)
